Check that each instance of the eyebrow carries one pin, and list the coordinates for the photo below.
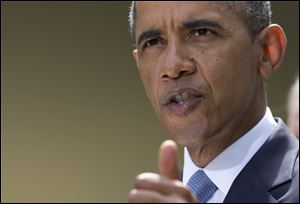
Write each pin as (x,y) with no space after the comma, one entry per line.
(191,24)
(149,34)
(200,23)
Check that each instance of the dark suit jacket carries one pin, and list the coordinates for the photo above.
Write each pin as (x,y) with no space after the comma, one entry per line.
(272,175)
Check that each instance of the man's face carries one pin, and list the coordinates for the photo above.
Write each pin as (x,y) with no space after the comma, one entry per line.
(199,67)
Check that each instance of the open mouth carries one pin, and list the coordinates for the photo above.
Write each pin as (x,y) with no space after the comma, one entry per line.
(183,101)
(180,99)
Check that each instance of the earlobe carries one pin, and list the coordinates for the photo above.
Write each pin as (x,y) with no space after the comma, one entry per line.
(273,43)
(135,55)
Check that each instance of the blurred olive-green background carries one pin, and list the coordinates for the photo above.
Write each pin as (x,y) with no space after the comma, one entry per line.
(75,123)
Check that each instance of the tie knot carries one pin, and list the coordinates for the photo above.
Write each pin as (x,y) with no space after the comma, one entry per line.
(202,186)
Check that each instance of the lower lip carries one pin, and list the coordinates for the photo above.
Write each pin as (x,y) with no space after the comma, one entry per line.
(184,108)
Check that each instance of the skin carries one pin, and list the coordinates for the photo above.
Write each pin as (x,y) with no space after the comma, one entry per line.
(293,109)
(293,120)
(222,62)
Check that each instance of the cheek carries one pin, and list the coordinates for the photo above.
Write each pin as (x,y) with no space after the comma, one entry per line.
(230,68)
(227,82)
(228,72)
(150,84)
(213,71)
(147,85)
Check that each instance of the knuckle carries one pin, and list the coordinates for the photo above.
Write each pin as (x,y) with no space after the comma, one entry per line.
(145,180)
(132,195)
(185,193)
(137,181)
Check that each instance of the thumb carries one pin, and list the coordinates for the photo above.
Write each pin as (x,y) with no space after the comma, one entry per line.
(167,159)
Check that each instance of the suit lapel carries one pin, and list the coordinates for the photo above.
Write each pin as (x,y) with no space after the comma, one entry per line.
(269,168)
(248,187)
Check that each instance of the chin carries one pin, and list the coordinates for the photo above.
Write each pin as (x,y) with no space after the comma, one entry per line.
(188,130)
(188,136)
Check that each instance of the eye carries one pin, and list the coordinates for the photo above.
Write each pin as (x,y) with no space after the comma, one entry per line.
(151,42)
(201,32)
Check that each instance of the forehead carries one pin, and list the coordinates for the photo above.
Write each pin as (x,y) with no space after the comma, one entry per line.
(182,6)
(172,13)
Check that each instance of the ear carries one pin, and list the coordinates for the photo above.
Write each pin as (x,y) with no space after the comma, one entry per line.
(273,42)
(135,56)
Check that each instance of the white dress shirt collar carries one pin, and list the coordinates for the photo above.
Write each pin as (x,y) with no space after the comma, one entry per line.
(226,166)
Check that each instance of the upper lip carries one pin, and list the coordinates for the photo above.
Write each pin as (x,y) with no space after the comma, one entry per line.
(174,92)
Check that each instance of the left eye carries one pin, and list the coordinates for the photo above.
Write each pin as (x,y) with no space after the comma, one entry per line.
(200,32)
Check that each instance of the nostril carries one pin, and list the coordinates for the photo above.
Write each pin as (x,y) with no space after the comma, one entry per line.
(177,70)
(165,77)
(186,72)
(175,75)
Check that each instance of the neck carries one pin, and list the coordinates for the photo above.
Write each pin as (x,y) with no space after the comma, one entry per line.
(204,154)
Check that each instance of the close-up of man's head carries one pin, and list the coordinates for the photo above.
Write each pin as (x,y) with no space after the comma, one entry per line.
(204,64)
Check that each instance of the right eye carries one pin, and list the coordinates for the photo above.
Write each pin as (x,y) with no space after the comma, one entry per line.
(151,43)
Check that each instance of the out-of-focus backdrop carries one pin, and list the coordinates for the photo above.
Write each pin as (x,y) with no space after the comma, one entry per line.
(75,123)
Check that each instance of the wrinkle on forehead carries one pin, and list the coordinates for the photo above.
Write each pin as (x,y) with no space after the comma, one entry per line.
(172,14)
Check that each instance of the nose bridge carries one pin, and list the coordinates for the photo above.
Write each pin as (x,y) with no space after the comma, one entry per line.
(175,60)
(173,55)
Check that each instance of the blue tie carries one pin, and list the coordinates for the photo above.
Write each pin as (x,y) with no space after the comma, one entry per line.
(202,187)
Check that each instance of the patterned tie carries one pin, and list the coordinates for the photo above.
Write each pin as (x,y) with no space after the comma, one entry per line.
(202,187)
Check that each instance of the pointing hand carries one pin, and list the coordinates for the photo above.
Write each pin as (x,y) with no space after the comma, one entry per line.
(163,188)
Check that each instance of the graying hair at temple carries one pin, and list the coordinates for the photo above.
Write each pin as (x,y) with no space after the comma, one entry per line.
(257,15)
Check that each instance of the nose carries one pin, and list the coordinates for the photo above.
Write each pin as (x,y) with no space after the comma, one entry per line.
(176,62)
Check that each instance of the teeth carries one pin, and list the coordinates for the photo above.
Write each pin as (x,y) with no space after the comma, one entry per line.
(178,99)
(185,96)
(182,97)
